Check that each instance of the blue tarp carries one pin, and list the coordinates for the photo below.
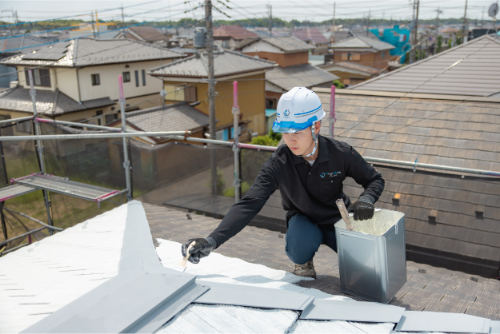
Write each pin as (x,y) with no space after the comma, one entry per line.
(398,37)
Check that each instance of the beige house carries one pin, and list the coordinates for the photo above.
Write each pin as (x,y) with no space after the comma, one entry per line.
(78,79)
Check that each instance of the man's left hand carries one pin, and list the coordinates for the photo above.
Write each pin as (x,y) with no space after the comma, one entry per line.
(363,210)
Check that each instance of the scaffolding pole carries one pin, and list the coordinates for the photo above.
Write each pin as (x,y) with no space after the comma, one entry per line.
(126,161)
(39,146)
(236,150)
(173,134)
(331,117)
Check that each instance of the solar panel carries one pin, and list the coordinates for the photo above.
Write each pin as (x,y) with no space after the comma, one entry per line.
(45,55)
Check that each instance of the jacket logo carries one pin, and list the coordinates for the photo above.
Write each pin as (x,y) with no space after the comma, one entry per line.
(332,174)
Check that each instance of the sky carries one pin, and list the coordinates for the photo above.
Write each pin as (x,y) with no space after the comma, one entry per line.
(313,10)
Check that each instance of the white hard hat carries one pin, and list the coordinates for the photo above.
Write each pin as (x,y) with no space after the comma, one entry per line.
(298,109)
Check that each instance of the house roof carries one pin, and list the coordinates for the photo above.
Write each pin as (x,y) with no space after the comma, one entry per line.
(471,69)
(310,34)
(225,63)
(363,33)
(457,133)
(50,103)
(233,31)
(88,52)
(304,75)
(172,117)
(351,65)
(362,42)
(148,34)
(13,45)
(288,44)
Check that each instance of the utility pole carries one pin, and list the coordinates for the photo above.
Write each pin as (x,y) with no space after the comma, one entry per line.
(438,11)
(465,30)
(482,20)
(332,38)
(211,92)
(416,5)
(123,18)
(93,23)
(270,19)
(368,23)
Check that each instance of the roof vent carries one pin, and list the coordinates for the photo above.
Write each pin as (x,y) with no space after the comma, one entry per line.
(479,212)
(396,198)
(433,217)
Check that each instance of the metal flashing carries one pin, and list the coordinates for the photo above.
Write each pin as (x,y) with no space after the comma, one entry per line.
(243,295)
(414,321)
(495,327)
(352,311)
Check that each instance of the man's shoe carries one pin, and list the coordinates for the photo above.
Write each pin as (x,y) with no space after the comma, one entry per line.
(306,270)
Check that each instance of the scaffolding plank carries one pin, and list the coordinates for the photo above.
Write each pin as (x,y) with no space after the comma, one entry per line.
(14,191)
(66,187)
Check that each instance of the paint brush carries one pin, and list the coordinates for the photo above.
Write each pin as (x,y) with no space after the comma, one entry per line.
(181,266)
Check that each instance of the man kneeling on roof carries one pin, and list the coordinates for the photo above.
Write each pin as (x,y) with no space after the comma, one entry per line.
(308,171)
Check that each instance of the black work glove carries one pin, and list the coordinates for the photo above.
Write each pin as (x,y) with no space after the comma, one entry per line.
(201,248)
(362,210)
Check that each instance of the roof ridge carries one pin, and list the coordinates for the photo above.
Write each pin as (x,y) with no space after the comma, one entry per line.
(423,60)
(153,109)
(172,63)
(250,57)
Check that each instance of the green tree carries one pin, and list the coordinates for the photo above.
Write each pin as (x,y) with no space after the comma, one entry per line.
(338,84)
(271,139)
(439,44)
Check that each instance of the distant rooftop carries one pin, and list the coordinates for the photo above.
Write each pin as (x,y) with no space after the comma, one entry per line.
(305,75)
(354,66)
(88,51)
(226,63)
(362,42)
(286,43)
(470,69)
(49,103)
(147,34)
(233,31)
(13,45)
(310,34)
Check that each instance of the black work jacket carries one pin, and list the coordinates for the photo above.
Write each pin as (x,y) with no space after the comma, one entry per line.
(311,190)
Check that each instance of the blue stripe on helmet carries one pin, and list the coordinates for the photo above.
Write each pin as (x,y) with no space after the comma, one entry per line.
(285,126)
(308,112)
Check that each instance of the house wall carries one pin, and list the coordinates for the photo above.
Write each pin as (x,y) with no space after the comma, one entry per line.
(109,80)
(373,59)
(251,101)
(67,82)
(283,59)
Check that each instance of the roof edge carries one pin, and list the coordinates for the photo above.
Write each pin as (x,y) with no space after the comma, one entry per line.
(460,98)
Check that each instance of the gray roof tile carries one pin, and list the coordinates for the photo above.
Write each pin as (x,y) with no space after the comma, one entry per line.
(226,63)
(305,75)
(13,45)
(288,43)
(362,42)
(47,102)
(173,117)
(88,51)
(471,69)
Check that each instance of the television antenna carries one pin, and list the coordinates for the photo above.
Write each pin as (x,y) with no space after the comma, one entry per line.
(492,12)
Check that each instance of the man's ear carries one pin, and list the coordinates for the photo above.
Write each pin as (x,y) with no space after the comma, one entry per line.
(317,127)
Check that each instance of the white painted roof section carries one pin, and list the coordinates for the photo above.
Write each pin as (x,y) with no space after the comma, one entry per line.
(37,280)
(362,42)
(470,69)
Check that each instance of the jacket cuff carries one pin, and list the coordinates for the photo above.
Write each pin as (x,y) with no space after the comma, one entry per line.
(367,199)
(212,242)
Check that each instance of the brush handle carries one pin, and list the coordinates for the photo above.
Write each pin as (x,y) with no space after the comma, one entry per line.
(344,214)
(184,260)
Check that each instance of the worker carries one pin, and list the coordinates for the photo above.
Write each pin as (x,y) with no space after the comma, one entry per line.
(309,171)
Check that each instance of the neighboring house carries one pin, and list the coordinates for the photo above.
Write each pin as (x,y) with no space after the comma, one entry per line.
(350,73)
(144,34)
(78,79)
(470,69)
(452,219)
(399,37)
(10,46)
(231,35)
(363,50)
(186,80)
(292,56)
(314,37)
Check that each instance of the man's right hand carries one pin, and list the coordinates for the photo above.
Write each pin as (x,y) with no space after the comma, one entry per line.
(201,248)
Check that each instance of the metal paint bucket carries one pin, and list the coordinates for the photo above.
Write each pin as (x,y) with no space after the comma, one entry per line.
(372,257)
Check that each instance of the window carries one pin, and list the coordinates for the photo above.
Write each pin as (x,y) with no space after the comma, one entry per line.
(98,113)
(41,77)
(190,94)
(345,56)
(96,80)
(136,78)
(354,56)
(110,118)
(382,54)
(24,127)
(225,44)
(144,77)
(126,76)
(174,93)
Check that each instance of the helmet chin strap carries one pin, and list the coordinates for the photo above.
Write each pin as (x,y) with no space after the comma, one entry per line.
(315,137)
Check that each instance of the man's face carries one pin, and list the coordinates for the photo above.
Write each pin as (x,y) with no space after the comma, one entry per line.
(300,143)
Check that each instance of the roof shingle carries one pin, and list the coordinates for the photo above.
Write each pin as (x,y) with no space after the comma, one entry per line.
(362,42)
(305,75)
(234,32)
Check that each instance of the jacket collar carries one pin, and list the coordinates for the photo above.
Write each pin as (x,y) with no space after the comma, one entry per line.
(322,154)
